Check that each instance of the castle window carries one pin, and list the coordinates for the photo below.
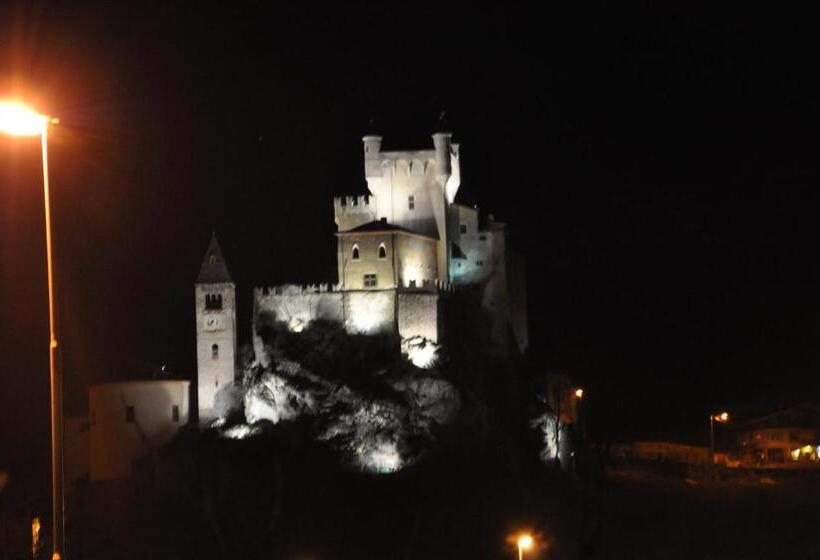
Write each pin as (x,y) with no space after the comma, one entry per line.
(411,202)
(129,414)
(175,413)
(215,351)
(382,251)
(213,301)
(370,281)
(482,237)
(462,228)
(479,263)
(355,256)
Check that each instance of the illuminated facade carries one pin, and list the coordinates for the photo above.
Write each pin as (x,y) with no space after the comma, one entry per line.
(786,439)
(215,300)
(402,251)
(130,420)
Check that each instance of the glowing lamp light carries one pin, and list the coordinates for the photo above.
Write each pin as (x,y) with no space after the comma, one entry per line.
(579,393)
(723,417)
(18,120)
(525,542)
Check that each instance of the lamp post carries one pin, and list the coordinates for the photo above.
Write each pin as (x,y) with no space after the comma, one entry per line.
(723,418)
(524,543)
(18,120)
(579,403)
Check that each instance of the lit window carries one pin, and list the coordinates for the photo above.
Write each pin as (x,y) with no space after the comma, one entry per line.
(382,251)
(175,413)
(411,202)
(370,281)
(215,351)
(129,413)
(355,253)
(463,228)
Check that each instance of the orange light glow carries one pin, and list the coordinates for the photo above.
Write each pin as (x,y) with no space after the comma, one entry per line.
(722,417)
(525,542)
(579,393)
(18,120)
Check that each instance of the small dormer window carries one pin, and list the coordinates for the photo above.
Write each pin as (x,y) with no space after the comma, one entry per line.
(382,251)
(355,255)
(411,202)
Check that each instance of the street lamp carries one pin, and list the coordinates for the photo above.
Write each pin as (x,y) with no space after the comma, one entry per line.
(18,120)
(524,543)
(723,418)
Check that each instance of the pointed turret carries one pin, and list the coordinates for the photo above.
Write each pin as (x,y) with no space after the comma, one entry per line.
(213,269)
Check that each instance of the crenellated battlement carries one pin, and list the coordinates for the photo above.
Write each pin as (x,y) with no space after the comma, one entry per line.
(352,211)
(354,204)
(430,285)
(296,289)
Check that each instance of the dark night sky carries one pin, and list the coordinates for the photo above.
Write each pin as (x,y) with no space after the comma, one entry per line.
(658,171)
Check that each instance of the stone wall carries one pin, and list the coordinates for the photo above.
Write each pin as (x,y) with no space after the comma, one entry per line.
(409,313)
(420,316)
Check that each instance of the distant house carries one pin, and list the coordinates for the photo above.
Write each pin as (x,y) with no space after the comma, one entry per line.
(789,438)
(129,420)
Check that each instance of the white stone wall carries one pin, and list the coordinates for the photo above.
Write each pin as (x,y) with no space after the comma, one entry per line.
(431,177)
(419,316)
(352,211)
(416,260)
(369,311)
(114,441)
(297,305)
(477,246)
(359,311)
(214,327)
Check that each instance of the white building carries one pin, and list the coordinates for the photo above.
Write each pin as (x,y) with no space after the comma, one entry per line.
(215,301)
(130,421)
(402,250)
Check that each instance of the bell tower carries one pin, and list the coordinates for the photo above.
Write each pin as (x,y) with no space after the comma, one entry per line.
(215,297)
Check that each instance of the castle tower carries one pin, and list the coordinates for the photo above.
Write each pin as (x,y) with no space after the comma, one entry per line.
(215,296)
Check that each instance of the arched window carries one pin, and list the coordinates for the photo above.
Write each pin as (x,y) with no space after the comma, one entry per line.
(382,251)
(214,351)
(355,252)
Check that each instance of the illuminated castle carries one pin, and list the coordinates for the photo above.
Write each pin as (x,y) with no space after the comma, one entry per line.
(404,251)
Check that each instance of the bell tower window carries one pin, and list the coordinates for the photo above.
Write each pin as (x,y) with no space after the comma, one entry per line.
(213,302)
(215,351)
